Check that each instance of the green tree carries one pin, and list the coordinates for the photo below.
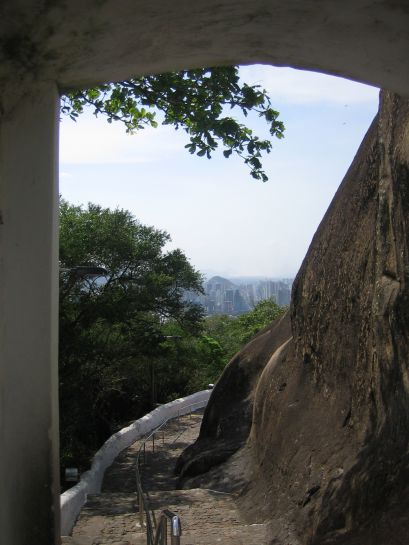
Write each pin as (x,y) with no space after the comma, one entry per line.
(112,327)
(119,329)
(197,101)
(189,362)
(250,323)
(233,333)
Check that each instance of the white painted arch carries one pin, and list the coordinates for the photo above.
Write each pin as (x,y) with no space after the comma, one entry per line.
(49,45)
(83,42)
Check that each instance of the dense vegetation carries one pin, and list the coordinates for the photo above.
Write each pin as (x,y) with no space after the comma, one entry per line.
(128,338)
(111,326)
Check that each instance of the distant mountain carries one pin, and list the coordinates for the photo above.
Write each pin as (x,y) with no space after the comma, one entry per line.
(239,280)
(224,282)
(208,273)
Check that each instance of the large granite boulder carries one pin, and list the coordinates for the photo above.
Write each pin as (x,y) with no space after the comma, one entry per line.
(328,437)
(228,417)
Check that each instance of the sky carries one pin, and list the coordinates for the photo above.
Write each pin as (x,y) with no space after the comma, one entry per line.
(223,220)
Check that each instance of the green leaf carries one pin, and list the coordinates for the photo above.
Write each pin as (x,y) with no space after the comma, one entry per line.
(191,99)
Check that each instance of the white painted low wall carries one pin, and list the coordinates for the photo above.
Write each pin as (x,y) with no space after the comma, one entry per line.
(73,499)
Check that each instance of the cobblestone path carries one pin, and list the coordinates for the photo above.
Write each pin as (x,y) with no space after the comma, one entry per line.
(208,517)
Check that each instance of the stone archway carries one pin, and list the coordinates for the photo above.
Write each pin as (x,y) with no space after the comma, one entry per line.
(84,43)
(46,46)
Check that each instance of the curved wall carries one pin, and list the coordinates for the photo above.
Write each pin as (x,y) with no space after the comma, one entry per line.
(84,42)
(73,499)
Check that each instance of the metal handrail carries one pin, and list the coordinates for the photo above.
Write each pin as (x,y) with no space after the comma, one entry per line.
(162,532)
(145,512)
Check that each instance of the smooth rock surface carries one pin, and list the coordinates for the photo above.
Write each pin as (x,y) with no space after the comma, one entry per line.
(329,439)
(227,421)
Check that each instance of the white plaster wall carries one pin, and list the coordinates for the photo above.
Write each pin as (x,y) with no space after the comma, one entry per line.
(73,499)
(29,473)
(84,42)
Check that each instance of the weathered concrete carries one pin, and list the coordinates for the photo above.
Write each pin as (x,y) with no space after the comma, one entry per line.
(84,42)
(207,517)
(29,473)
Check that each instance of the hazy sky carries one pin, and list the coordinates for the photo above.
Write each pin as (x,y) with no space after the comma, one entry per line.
(224,221)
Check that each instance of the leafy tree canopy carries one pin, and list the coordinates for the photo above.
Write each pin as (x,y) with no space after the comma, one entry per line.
(141,278)
(232,333)
(112,327)
(195,100)
(191,362)
(129,338)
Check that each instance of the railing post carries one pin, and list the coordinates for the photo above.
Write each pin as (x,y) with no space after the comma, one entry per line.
(176,531)
(165,532)
(160,536)
(140,505)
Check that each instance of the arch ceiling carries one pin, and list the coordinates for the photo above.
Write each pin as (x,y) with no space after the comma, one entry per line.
(85,42)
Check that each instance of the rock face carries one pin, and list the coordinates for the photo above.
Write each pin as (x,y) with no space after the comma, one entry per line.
(329,432)
(227,419)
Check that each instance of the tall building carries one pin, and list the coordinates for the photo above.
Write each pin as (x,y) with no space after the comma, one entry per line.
(222,296)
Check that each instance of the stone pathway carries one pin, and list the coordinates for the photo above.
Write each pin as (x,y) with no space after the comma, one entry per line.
(208,517)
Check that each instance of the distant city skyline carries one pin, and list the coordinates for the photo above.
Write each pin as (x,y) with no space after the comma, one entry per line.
(243,278)
(223,296)
(222,219)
